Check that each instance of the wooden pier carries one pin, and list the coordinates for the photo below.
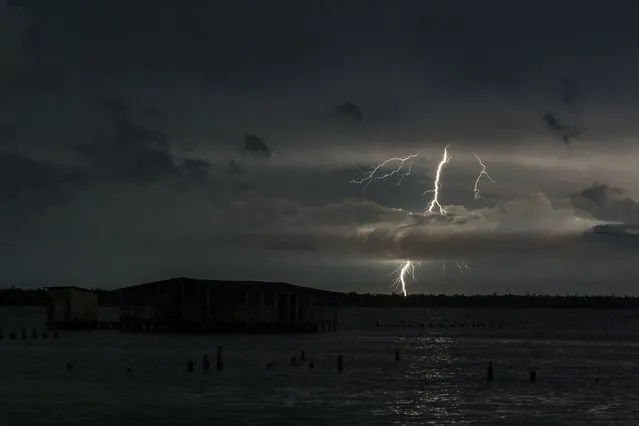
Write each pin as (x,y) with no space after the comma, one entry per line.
(185,305)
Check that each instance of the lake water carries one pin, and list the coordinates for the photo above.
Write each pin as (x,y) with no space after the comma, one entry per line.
(587,365)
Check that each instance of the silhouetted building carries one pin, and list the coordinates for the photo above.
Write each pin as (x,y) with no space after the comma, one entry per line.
(190,305)
(72,307)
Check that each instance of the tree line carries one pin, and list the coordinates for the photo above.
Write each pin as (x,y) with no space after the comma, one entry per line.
(491,301)
(39,297)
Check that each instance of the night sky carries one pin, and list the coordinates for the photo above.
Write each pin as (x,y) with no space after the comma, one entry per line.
(144,140)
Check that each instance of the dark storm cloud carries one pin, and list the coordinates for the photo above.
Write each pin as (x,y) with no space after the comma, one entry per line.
(350,110)
(256,147)
(134,152)
(600,193)
(616,236)
(566,132)
(607,202)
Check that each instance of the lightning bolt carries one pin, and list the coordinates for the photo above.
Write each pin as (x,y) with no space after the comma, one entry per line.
(437,185)
(407,269)
(375,174)
(462,266)
(482,173)
(403,272)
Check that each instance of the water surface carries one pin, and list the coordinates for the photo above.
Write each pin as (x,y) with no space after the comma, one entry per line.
(586,361)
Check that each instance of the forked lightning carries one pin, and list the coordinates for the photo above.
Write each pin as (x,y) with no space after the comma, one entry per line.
(482,173)
(376,173)
(437,185)
(407,270)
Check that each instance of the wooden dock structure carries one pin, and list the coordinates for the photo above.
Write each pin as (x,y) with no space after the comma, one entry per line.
(184,305)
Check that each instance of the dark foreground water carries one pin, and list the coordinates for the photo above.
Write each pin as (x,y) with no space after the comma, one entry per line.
(587,364)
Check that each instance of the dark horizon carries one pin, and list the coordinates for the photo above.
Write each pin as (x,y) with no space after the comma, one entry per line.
(111,298)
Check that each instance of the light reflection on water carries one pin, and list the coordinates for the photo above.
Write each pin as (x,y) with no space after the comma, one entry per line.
(585,362)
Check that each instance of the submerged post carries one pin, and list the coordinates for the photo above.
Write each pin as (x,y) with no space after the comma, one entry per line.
(396,356)
(489,372)
(533,376)
(189,366)
(205,363)
(340,363)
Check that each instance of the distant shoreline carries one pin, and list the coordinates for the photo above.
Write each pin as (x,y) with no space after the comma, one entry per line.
(111,298)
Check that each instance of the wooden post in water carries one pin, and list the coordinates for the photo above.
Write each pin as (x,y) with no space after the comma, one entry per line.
(396,356)
(489,372)
(189,366)
(533,376)
(205,363)
(340,363)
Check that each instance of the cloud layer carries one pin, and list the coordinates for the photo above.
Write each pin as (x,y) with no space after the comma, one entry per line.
(528,226)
